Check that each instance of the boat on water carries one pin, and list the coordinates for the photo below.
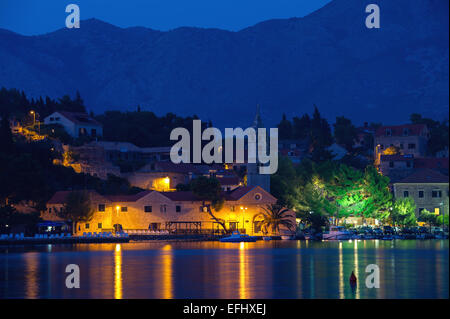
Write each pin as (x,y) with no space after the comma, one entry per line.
(237,237)
(267,238)
(287,237)
(337,233)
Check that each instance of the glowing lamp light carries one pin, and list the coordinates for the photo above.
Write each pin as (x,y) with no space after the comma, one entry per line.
(167,180)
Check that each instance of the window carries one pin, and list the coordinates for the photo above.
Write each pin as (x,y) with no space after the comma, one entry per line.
(162,208)
(101,207)
(405,194)
(411,146)
(257,196)
(382,146)
(154,226)
(232,208)
(405,132)
(124,209)
(81,131)
(388,132)
(93,132)
(391,164)
(178,208)
(99,225)
(437,211)
(401,145)
(148,209)
(436,194)
(421,194)
(52,119)
(86,226)
(203,209)
(233,226)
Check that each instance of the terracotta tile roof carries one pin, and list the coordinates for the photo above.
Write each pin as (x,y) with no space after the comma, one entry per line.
(186,167)
(238,193)
(425,176)
(431,162)
(233,195)
(127,198)
(397,130)
(181,196)
(228,180)
(61,196)
(397,158)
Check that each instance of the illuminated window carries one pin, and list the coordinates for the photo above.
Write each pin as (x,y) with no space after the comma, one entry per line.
(436,211)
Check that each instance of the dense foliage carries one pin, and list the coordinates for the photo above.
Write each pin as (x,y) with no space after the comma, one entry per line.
(331,189)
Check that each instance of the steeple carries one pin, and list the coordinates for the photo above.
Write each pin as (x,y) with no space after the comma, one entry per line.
(257,123)
(253,176)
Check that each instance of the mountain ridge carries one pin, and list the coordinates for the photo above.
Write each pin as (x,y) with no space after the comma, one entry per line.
(327,58)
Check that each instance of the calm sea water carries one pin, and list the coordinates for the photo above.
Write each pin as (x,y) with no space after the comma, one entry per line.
(277,269)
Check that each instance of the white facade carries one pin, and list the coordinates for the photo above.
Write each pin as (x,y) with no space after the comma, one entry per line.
(75,124)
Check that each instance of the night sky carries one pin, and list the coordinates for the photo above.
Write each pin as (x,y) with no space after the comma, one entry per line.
(31,17)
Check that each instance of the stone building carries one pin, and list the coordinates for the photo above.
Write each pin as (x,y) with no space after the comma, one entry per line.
(428,188)
(171,211)
(409,139)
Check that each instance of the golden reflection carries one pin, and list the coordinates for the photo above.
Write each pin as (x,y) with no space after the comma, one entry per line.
(341,273)
(243,276)
(167,272)
(299,271)
(357,269)
(118,272)
(31,275)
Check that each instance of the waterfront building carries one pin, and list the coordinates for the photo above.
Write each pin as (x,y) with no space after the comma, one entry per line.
(179,212)
(428,188)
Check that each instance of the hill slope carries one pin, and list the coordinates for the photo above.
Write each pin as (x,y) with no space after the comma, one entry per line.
(328,58)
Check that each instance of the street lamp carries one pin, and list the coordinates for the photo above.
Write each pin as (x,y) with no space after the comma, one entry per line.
(34,117)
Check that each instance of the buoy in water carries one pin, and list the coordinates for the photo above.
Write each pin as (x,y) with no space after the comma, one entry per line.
(353,279)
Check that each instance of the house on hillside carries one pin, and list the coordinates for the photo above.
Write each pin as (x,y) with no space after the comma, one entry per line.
(409,139)
(75,124)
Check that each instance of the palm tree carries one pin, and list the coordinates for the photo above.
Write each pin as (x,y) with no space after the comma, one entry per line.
(273,216)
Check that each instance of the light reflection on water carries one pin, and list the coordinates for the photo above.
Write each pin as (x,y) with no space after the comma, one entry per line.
(275,269)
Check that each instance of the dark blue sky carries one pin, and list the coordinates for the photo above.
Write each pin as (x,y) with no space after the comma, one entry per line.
(30,17)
